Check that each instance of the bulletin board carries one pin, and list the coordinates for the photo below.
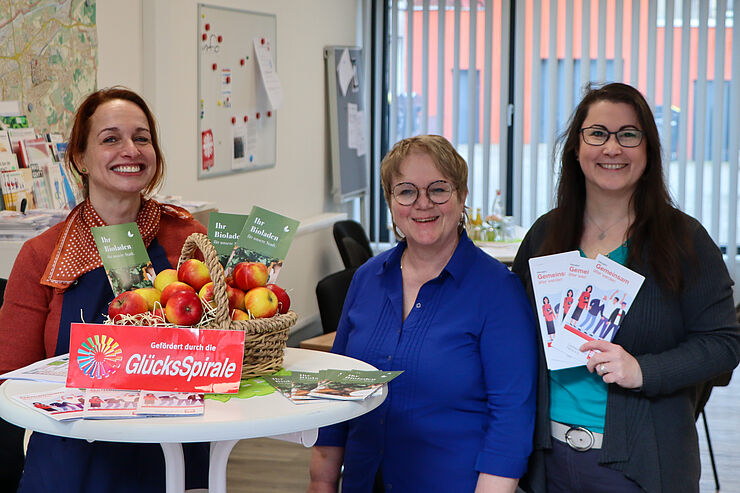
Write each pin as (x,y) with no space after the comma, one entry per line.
(347,117)
(237,119)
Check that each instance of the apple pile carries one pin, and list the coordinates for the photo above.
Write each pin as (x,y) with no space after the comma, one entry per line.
(182,296)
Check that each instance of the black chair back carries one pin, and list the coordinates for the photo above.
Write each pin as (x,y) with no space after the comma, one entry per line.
(330,294)
(352,242)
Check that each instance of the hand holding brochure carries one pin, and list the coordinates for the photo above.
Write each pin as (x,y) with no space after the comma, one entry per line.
(593,296)
(608,291)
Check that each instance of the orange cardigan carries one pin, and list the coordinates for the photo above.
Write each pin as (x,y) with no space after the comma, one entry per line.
(30,315)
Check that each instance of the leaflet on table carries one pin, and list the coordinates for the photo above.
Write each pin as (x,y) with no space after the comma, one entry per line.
(604,298)
(551,275)
(304,387)
(223,231)
(48,370)
(60,404)
(102,403)
(65,403)
(124,257)
(283,383)
(352,385)
(266,238)
(158,403)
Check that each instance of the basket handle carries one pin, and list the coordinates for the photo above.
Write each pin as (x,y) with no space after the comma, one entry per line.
(201,242)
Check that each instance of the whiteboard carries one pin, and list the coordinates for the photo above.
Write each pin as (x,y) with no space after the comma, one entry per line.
(236,125)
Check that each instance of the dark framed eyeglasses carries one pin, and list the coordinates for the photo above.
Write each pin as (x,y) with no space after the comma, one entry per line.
(438,192)
(598,136)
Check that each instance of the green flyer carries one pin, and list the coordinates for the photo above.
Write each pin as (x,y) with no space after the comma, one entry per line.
(223,231)
(124,257)
(265,238)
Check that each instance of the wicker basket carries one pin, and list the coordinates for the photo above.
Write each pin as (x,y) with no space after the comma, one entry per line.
(264,338)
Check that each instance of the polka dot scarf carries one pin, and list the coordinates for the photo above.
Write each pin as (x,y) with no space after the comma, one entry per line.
(75,252)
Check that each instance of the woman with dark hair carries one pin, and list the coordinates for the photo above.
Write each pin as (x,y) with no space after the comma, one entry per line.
(625,421)
(457,323)
(58,278)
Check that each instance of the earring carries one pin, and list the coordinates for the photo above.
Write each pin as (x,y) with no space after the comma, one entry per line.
(83,170)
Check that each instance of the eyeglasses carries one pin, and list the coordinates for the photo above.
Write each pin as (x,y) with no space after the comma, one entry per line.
(438,192)
(598,136)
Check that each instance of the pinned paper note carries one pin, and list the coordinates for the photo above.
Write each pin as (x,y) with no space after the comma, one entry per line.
(270,78)
(356,129)
(345,72)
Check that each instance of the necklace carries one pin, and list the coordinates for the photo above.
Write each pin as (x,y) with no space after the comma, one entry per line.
(604,231)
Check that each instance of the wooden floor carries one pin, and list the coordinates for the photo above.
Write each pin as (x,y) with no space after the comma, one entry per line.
(272,466)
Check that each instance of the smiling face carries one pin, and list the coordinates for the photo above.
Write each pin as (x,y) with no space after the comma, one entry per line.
(119,158)
(424,223)
(611,169)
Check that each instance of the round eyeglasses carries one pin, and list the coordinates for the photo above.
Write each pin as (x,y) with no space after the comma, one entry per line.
(598,136)
(438,192)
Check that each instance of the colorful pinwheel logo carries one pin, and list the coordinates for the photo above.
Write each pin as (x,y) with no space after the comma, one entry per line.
(99,356)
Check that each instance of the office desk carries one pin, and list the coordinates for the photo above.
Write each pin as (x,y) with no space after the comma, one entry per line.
(223,424)
(324,342)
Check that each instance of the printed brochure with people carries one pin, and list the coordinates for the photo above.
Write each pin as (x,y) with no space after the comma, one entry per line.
(593,297)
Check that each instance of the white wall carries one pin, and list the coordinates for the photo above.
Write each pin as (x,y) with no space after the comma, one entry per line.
(150,46)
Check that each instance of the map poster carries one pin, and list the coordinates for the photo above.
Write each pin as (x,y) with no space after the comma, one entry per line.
(49,60)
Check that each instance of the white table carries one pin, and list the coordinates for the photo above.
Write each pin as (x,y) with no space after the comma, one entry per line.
(222,424)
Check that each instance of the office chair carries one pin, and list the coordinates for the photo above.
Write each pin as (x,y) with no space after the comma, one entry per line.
(330,294)
(352,242)
(11,442)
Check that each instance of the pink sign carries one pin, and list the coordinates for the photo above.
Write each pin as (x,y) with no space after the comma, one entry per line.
(155,358)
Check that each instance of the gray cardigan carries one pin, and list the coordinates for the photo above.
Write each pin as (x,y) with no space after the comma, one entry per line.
(681,342)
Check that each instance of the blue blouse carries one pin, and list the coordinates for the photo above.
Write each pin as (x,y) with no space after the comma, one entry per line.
(466,400)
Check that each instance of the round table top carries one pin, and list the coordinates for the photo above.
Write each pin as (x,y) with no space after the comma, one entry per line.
(254,417)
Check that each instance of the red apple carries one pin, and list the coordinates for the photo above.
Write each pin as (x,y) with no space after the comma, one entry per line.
(237,314)
(172,288)
(127,303)
(282,296)
(151,295)
(248,275)
(194,272)
(164,278)
(236,298)
(261,302)
(184,308)
(206,294)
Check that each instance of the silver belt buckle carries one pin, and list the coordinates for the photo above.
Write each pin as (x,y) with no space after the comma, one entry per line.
(579,438)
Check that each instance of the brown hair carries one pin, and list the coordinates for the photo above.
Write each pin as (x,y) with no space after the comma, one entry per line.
(446,159)
(81,130)
(657,221)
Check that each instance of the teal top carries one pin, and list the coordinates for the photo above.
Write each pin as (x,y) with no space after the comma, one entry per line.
(577,396)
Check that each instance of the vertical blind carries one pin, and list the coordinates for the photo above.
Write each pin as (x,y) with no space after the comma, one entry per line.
(451,63)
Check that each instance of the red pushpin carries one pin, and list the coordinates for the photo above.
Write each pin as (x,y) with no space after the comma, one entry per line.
(208,27)
(214,66)
(241,62)
(228,80)
(233,120)
(205,36)
(262,41)
(220,38)
(257,115)
(269,114)
(245,118)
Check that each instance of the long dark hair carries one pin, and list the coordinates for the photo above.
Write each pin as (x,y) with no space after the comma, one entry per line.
(657,222)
